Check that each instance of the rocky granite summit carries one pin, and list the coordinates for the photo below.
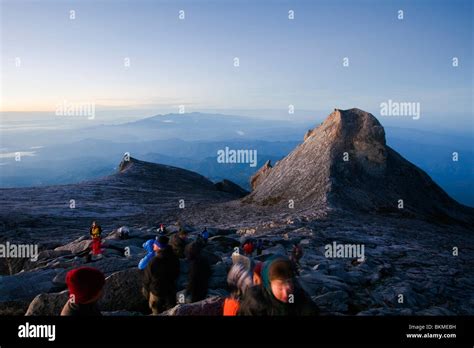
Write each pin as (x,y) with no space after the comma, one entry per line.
(345,163)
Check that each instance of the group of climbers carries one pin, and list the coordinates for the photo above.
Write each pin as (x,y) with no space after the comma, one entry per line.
(249,246)
(162,268)
(256,288)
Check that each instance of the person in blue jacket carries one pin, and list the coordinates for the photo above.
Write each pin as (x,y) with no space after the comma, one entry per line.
(205,235)
(149,246)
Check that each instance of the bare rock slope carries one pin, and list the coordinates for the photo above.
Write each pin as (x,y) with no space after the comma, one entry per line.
(345,163)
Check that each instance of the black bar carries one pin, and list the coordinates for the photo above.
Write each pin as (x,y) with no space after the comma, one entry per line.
(239,330)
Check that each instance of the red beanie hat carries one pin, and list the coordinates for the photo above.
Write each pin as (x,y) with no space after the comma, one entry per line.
(84,283)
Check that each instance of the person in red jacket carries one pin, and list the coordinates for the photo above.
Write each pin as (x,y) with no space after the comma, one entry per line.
(248,248)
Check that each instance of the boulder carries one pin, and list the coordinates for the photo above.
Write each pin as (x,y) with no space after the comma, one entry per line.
(114,235)
(222,243)
(212,306)
(77,246)
(52,254)
(135,251)
(389,295)
(48,304)
(275,250)
(120,244)
(26,285)
(218,278)
(333,301)
(123,291)
(14,308)
(316,283)
(107,265)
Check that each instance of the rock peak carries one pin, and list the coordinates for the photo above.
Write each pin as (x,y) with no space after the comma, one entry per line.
(126,162)
(345,163)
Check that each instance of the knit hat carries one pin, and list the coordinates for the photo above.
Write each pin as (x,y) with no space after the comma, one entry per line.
(239,277)
(243,260)
(84,283)
(162,242)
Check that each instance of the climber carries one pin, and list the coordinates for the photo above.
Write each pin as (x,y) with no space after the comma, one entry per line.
(85,286)
(160,276)
(199,273)
(178,243)
(259,247)
(162,229)
(95,232)
(204,235)
(239,279)
(279,294)
(248,248)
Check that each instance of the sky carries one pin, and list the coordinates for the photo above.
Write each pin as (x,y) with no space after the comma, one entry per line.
(190,61)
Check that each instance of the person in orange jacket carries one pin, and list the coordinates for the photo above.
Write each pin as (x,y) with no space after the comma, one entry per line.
(239,280)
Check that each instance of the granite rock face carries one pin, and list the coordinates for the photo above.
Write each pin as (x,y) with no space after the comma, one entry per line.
(345,163)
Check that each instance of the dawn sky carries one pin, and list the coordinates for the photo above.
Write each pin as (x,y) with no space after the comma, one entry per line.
(191,61)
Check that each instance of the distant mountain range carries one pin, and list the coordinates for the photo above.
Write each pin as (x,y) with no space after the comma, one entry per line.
(191,141)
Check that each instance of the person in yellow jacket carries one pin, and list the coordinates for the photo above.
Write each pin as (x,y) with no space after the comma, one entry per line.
(95,231)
